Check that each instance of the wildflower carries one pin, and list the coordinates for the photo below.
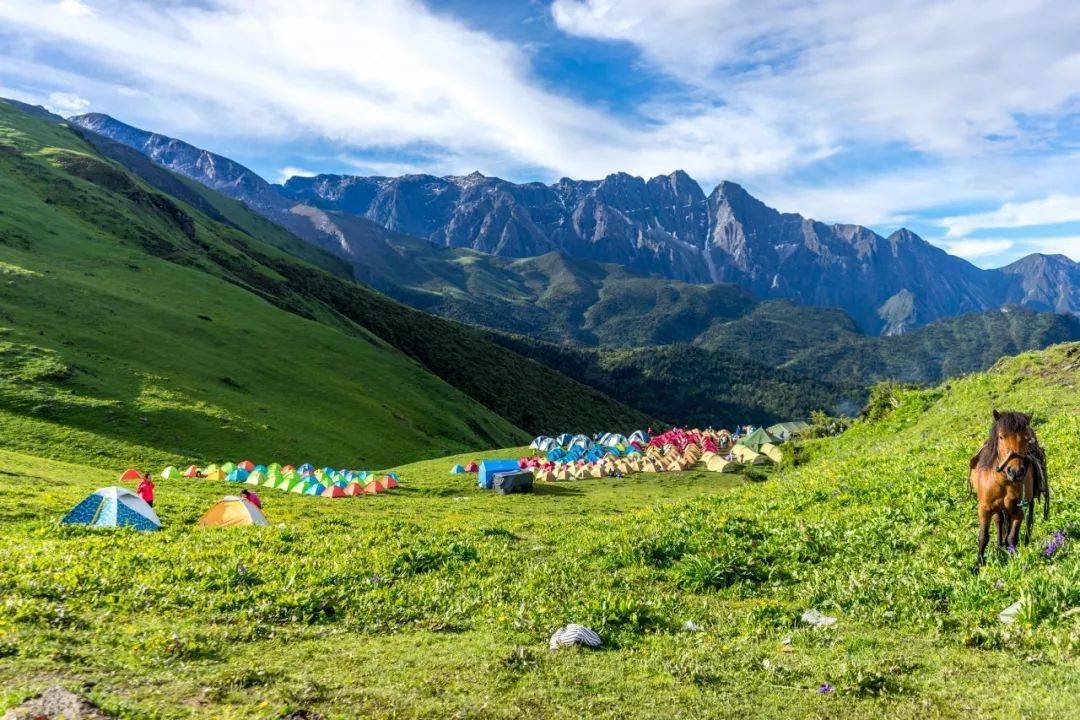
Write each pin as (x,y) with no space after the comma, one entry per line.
(1055,543)
(825,689)
(241,570)
(999,584)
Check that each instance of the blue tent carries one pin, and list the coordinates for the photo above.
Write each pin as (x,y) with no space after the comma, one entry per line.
(488,468)
(238,475)
(305,468)
(457,470)
(315,488)
(113,507)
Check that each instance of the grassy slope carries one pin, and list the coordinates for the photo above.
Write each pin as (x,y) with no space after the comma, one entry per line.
(438,599)
(66,202)
(110,351)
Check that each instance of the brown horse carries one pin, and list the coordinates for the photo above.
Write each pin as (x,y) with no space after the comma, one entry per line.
(1008,474)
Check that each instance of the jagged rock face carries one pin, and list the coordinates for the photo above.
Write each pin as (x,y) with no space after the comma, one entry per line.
(664,226)
(1046,282)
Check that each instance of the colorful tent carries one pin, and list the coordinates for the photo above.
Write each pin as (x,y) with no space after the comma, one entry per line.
(299,485)
(170,473)
(236,475)
(354,489)
(745,455)
(217,475)
(228,467)
(191,472)
(232,511)
(333,491)
(253,478)
(246,464)
(113,507)
(130,475)
(389,480)
(457,470)
(373,487)
(472,467)
(314,487)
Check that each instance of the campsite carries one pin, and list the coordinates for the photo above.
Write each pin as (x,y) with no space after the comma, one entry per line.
(452,591)
(453,396)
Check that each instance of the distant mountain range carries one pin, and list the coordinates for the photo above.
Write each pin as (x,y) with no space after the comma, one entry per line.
(665,227)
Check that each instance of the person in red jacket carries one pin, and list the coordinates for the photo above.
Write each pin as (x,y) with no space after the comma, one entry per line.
(251,498)
(146,490)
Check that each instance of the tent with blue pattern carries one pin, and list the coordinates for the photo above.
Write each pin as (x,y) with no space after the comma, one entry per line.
(113,507)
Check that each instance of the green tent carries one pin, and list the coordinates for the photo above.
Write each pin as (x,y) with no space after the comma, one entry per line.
(228,467)
(756,439)
(783,431)
(299,486)
(255,478)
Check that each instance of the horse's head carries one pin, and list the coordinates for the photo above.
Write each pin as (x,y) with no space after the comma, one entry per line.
(1010,439)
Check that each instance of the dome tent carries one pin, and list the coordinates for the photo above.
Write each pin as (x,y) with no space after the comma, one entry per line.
(232,511)
(113,507)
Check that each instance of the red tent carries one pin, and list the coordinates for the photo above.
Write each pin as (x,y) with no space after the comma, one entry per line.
(288,468)
(472,467)
(130,475)
(354,489)
(375,486)
(191,472)
(389,482)
(246,464)
(333,491)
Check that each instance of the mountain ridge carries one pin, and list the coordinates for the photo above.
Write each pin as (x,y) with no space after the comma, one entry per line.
(664,226)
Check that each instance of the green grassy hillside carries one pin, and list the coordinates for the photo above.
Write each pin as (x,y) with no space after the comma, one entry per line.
(138,327)
(437,600)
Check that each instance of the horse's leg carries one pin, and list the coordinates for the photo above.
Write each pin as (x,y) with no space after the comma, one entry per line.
(1030,512)
(999,516)
(984,535)
(1016,518)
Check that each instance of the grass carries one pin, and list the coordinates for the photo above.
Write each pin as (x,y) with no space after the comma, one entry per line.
(438,599)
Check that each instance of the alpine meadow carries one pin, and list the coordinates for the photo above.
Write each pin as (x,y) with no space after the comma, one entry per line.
(370,360)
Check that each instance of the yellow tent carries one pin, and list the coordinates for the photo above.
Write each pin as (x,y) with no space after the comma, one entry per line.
(216,475)
(747,456)
(544,476)
(772,452)
(232,511)
(719,464)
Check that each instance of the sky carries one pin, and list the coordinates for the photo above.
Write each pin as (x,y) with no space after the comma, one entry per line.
(959,119)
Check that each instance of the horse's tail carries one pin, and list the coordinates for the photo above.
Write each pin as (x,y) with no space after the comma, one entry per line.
(1044,487)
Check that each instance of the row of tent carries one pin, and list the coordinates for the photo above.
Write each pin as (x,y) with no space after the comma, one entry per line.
(672,451)
(120,507)
(303,480)
(568,441)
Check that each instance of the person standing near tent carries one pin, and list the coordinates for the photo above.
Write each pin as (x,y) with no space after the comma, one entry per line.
(252,498)
(146,490)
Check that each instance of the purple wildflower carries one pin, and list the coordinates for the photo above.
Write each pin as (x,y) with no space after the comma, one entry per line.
(241,570)
(1055,543)
(825,689)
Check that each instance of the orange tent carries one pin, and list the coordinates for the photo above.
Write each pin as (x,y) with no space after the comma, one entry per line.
(354,489)
(333,491)
(191,472)
(246,464)
(288,469)
(375,486)
(232,511)
(130,475)
(389,481)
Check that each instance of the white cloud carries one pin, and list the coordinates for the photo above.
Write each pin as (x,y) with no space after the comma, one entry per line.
(1057,208)
(289,171)
(971,249)
(391,74)
(945,77)
(67,104)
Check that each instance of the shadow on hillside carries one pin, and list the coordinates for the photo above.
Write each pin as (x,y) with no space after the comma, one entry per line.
(551,489)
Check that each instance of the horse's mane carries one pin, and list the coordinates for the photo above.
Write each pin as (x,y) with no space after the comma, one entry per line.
(1009,423)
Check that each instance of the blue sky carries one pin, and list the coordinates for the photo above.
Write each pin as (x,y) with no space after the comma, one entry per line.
(957,119)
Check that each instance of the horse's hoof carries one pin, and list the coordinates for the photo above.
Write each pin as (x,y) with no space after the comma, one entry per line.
(976,568)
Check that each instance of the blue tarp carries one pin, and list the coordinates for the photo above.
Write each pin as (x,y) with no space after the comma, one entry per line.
(488,468)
